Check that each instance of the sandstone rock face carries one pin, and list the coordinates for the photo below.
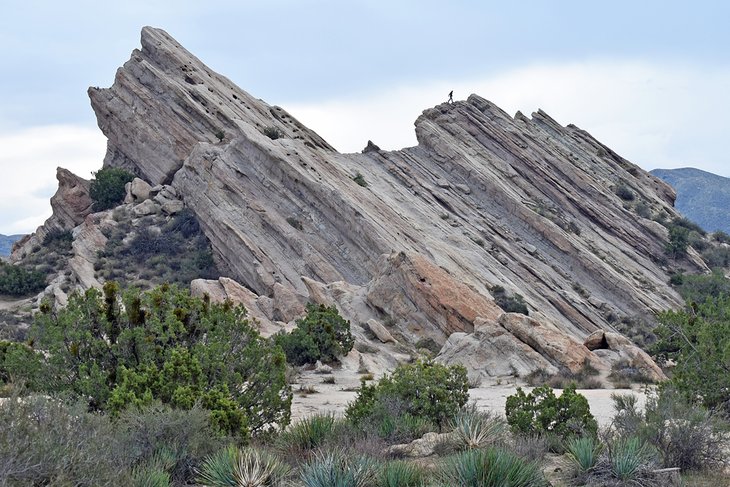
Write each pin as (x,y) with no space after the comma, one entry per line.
(70,205)
(484,200)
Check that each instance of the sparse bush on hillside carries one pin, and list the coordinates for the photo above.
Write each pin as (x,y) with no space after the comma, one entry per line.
(58,240)
(107,187)
(509,303)
(678,242)
(698,288)
(174,251)
(625,193)
(273,132)
(321,335)
(360,180)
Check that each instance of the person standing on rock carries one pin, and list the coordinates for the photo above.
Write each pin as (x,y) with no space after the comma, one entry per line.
(451,97)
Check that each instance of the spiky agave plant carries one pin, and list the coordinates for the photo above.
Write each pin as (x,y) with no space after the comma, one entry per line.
(492,467)
(401,474)
(630,458)
(474,429)
(248,467)
(584,453)
(335,469)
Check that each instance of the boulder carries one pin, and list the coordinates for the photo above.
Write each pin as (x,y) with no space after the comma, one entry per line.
(380,331)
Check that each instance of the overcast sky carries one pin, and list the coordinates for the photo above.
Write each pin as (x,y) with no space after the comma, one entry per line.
(649,78)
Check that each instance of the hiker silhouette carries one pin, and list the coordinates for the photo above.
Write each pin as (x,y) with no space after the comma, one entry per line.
(451,97)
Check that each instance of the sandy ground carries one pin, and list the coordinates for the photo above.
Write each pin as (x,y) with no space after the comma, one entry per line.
(13,304)
(490,396)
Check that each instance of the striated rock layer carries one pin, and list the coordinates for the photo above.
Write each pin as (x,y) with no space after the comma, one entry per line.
(484,200)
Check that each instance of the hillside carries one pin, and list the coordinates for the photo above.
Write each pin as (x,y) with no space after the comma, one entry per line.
(702,197)
(436,244)
(6,243)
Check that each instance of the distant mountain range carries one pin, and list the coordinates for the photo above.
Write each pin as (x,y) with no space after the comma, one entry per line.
(702,197)
(6,243)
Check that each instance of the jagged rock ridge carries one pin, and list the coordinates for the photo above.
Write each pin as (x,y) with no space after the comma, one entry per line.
(484,200)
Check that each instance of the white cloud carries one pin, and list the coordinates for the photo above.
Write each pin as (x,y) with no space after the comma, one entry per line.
(28,161)
(653,114)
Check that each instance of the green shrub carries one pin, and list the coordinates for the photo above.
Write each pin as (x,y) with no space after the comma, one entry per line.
(19,281)
(44,441)
(273,132)
(686,435)
(182,438)
(625,193)
(58,240)
(164,345)
(321,335)
(697,339)
(107,187)
(360,180)
(509,303)
(678,241)
(19,364)
(423,389)
(542,413)
(490,468)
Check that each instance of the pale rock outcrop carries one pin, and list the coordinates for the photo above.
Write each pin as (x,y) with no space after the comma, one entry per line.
(71,203)
(226,289)
(380,331)
(485,199)
(555,345)
(137,190)
(421,447)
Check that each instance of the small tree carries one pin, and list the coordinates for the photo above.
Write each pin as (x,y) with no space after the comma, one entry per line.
(107,187)
(542,413)
(427,389)
(164,345)
(321,335)
(697,339)
(678,241)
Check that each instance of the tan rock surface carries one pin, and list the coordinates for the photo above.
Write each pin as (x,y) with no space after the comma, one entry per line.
(70,204)
(485,199)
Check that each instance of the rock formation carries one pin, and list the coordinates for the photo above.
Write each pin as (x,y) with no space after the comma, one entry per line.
(70,205)
(412,249)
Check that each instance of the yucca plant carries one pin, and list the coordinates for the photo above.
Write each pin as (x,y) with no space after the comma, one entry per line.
(335,469)
(477,429)
(584,453)
(246,467)
(309,433)
(490,468)
(401,474)
(629,457)
(150,477)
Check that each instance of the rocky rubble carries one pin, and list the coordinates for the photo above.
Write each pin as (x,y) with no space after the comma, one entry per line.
(484,200)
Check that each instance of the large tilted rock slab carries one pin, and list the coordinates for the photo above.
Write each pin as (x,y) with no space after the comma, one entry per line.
(164,101)
(484,200)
